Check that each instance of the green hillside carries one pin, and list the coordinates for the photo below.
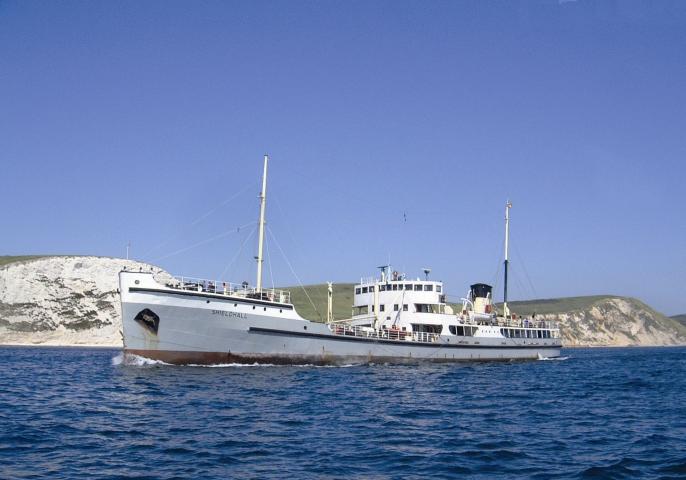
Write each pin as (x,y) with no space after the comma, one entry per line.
(342,301)
(680,318)
(554,305)
(7,259)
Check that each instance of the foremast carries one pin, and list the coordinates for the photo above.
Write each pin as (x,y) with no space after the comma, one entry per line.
(260,242)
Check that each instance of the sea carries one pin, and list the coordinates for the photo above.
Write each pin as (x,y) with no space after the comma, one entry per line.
(605,413)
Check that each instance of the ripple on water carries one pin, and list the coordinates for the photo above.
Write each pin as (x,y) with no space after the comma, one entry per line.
(599,413)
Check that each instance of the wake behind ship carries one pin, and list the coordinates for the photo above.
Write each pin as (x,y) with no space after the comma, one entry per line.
(395,320)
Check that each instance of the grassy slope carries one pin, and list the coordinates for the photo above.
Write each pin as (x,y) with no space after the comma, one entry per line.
(342,301)
(7,259)
(680,318)
(555,305)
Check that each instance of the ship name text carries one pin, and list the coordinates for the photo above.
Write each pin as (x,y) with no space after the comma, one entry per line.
(230,314)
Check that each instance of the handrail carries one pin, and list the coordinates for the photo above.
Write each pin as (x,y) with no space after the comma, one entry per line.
(394,334)
(384,334)
(229,289)
(510,322)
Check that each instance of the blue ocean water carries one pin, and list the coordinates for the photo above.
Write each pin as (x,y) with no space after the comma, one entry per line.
(599,413)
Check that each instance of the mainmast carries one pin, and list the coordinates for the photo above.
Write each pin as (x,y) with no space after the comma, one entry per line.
(260,245)
(329,302)
(508,206)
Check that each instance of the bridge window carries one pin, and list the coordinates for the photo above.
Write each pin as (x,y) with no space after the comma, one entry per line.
(395,307)
(438,288)
(395,286)
(382,308)
(408,286)
(382,288)
(418,288)
(428,288)
(425,308)
(364,289)
(371,289)
(405,307)
(357,291)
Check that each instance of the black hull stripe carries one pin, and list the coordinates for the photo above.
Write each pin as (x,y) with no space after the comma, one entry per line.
(228,299)
(346,338)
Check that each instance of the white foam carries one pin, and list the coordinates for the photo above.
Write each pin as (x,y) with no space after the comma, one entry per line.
(241,365)
(552,358)
(230,365)
(129,359)
(118,359)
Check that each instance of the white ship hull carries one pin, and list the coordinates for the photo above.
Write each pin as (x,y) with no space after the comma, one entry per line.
(184,327)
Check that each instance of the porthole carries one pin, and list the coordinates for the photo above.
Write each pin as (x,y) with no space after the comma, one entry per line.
(265,309)
(208,301)
(137,282)
(280,310)
(235,304)
(253,307)
(304,327)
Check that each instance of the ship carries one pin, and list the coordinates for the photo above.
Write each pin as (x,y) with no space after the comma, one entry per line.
(394,320)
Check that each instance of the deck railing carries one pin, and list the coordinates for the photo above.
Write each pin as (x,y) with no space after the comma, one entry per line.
(510,322)
(385,334)
(527,323)
(229,289)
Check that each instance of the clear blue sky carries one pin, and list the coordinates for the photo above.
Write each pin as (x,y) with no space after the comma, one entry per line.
(396,129)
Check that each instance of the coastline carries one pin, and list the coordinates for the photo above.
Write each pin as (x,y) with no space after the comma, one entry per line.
(118,347)
(63,345)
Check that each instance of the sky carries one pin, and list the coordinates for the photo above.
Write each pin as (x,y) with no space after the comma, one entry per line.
(397,131)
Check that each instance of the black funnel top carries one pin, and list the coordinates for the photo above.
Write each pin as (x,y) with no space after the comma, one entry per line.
(481,290)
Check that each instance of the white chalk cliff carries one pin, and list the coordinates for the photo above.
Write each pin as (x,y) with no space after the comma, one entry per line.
(65,300)
(618,321)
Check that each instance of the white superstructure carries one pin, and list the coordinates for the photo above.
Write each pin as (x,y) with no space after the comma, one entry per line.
(415,308)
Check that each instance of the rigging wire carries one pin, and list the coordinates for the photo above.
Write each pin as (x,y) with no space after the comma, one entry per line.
(526,273)
(277,202)
(285,218)
(520,284)
(238,253)
(202,242)
(293,272)
(269,262)
(199,219)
